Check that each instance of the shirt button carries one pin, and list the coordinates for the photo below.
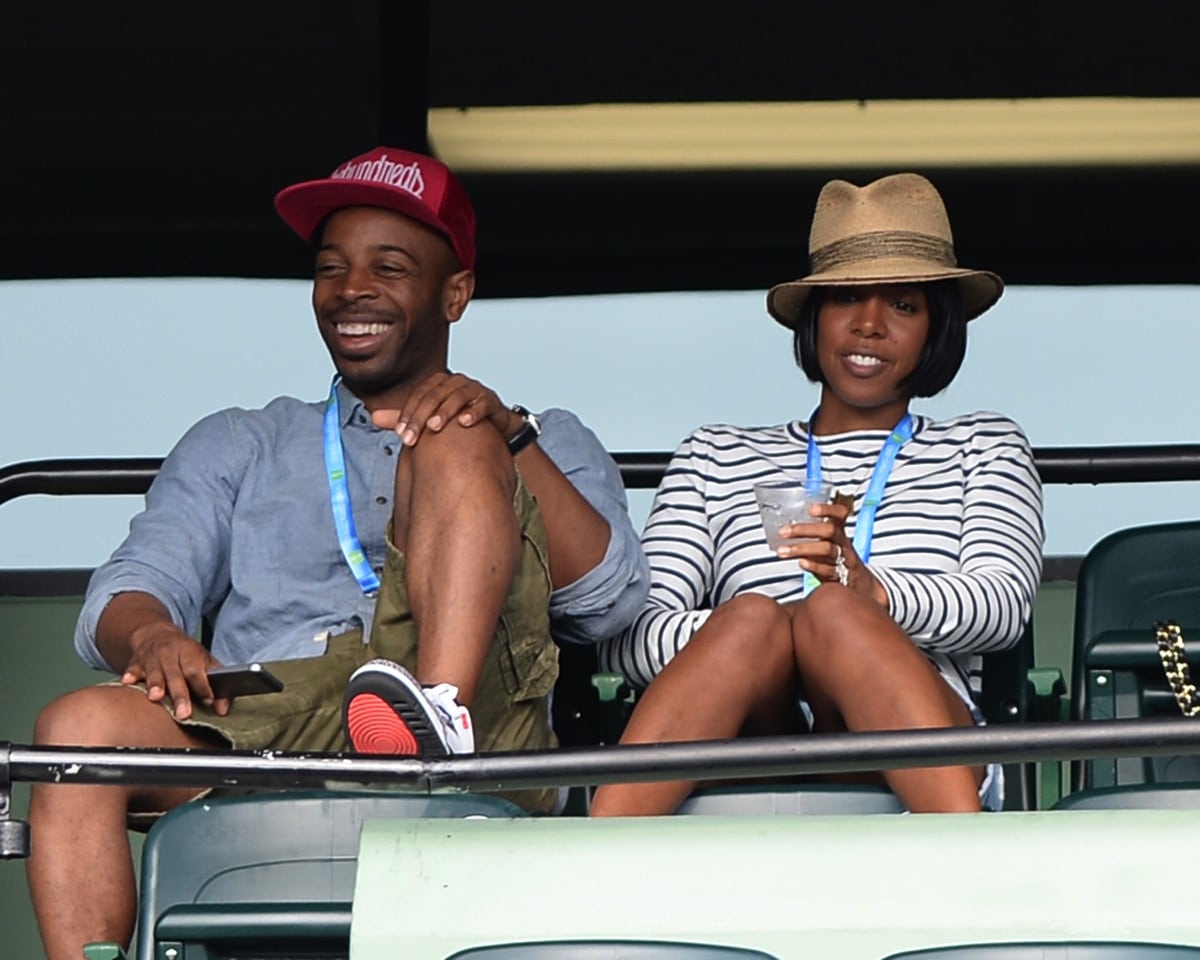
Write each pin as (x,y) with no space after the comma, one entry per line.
(381,500)
(389,450)
(362,418)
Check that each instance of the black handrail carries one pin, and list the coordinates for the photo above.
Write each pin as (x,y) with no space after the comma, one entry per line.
(78,477)
(751,758)
(1154,463)
(640,471)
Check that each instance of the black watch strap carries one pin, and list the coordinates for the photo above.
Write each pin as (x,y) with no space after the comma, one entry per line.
(530,430)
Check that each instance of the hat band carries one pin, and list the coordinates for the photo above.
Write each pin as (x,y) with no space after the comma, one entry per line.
(881,245)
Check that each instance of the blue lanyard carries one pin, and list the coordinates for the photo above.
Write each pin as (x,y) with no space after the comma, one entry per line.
(339,497)
(864,526)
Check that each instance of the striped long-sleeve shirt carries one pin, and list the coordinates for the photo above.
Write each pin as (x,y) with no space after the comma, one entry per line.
(957,543)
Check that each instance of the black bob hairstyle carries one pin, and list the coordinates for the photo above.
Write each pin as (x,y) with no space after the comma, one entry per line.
(943,353)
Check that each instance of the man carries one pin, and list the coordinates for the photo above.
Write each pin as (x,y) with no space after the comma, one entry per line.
(500,527)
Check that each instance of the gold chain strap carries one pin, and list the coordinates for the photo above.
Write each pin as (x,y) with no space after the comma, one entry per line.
(1169,637)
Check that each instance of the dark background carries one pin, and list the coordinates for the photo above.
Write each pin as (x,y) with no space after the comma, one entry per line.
(147,138)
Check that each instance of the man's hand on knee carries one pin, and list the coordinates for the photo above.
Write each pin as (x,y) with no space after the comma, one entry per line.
(445,397)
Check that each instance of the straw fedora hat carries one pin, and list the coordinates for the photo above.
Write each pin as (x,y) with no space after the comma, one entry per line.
(894,230)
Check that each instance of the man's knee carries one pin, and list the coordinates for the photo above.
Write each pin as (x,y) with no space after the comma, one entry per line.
(105,716)
(452,471)
(463,455)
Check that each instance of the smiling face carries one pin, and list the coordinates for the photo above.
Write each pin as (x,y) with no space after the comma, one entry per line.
(869,341)
(386,290)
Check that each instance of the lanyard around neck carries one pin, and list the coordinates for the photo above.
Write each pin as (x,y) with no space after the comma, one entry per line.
(339,496)
(864,525)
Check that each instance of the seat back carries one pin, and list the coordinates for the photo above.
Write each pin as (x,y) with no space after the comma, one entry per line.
(822,799)
(1129,580)
(1055,950)
(264,873)
(609,950)
(1007,697)
(1141,796)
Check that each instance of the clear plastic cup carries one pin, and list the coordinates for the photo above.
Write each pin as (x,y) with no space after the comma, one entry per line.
(785,502)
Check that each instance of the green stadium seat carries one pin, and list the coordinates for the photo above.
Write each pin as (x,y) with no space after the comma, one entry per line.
(269,873)
(820,799)
(1129,580)
(608,950)
(1049,950)
(1007,697)
(1137,796)
(103,951)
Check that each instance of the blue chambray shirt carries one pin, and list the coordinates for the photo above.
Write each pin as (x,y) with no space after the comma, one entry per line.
(238,525)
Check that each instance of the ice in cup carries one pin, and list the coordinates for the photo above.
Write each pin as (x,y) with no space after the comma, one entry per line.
(784,502)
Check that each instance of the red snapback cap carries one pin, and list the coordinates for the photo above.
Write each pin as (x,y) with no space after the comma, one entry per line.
(409,183)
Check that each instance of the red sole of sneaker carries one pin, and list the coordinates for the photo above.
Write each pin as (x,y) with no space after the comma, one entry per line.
(375,727)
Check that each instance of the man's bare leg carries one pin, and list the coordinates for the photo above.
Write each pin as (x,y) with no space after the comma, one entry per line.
(80,870)
(454,522)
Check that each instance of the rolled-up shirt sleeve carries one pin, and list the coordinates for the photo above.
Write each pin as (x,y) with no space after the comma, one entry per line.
(604,600)
(178,547)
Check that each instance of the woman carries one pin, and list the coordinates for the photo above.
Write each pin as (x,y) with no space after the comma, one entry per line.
(871,616)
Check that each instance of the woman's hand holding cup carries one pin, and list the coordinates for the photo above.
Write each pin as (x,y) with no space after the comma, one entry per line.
(785,504)
(821,547)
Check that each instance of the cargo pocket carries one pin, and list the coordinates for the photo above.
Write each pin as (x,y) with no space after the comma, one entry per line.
(528,661)
(526,654)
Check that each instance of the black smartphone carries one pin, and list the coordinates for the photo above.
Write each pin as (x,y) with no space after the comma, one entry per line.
(243,680)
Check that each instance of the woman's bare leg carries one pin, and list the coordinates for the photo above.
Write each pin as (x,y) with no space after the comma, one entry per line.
(737,671)
(862,672)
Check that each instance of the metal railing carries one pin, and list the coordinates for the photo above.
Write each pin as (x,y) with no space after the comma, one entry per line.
(751,758)
(1154,463)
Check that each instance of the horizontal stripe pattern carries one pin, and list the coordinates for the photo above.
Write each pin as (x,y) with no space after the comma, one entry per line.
(957,543)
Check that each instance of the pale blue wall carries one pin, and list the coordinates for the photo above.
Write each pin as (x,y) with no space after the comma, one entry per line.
(122,367)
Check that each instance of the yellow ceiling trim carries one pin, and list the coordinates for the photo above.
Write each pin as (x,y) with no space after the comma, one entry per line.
(827,135)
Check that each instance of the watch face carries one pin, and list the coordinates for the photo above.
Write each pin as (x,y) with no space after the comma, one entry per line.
(531,420)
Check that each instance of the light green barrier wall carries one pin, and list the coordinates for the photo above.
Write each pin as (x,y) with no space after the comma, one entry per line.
(834,888)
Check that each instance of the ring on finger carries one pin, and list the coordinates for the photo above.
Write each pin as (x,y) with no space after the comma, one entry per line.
(839,567)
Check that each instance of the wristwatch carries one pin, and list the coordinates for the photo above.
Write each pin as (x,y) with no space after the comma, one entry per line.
(530,430)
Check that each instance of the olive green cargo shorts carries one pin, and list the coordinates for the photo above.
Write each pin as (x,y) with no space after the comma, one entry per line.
(511,708)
